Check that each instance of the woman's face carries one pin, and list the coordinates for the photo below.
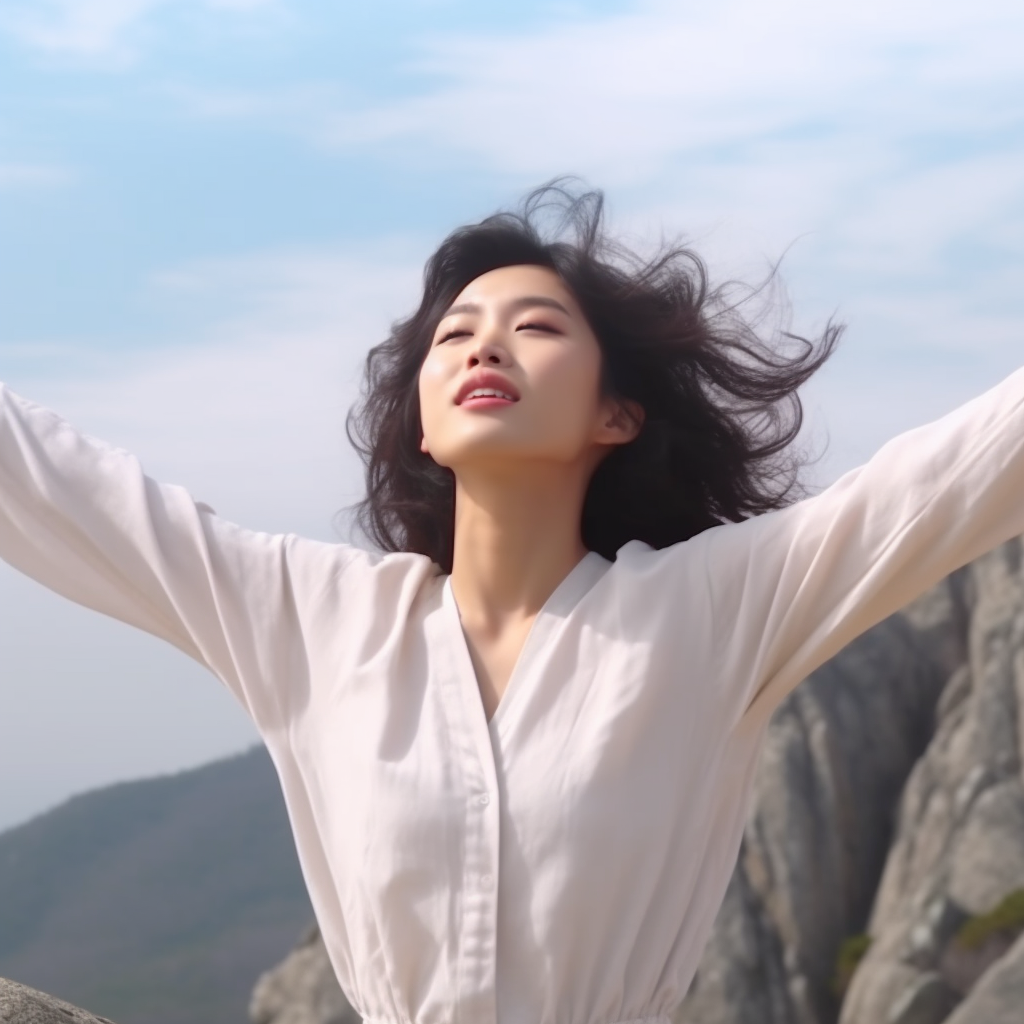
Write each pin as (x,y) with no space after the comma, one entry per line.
(522,324)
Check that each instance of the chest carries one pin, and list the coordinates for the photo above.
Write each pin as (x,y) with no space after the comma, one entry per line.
(444,755)
(493,658)
(591,749)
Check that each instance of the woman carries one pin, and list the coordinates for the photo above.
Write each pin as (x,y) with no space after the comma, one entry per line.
(517,749)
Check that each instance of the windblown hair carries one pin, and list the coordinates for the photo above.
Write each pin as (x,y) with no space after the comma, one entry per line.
(720,401)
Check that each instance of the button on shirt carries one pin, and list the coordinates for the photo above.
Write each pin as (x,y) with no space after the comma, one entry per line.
(564,862)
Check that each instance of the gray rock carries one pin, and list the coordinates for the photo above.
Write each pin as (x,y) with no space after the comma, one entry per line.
(836,757)
(962,967)
(928,1000)
(998,997)
(22,1005)
(959,843)
(302,989)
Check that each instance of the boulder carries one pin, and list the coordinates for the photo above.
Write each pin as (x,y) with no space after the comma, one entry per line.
(302,989)
(22,1005)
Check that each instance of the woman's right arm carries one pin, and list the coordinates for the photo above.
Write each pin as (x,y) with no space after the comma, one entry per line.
(82,518)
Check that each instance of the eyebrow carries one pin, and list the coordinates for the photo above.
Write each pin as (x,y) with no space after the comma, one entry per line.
(523,302)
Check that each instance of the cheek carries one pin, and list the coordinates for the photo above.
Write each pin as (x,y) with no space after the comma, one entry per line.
(571,386)
(431,386)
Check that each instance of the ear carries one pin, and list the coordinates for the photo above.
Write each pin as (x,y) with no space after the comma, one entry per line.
(423,445)
(624,422)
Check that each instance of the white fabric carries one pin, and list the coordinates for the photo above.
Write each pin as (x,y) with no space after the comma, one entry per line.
(564,863)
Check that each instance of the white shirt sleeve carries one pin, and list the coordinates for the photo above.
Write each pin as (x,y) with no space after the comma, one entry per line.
(790,588)
(82,518)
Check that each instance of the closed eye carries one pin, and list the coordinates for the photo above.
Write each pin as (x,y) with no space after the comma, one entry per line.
(530,326)
(453,334)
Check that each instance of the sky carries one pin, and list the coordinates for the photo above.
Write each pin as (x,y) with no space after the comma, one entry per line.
(211,209)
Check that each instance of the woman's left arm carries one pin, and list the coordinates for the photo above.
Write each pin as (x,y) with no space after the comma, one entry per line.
(790,588)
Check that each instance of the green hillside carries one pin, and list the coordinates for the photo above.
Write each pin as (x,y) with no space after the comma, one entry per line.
(155,902)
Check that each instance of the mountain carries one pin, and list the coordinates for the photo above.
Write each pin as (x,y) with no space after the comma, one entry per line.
(155,902)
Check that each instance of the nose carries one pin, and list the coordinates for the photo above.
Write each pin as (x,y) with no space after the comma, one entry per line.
(489,349)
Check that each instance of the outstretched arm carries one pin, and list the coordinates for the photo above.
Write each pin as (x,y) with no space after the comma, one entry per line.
(83,519)
(791,588)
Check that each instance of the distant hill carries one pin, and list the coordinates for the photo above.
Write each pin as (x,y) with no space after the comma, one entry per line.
(155,902)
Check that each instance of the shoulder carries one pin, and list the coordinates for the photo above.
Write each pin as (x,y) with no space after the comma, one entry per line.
(648,581)
(357,573)
(638,562)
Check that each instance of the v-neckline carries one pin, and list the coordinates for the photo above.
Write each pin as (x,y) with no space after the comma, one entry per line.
(560,602)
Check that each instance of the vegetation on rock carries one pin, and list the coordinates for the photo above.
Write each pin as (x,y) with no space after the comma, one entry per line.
(851,952)
(1006,918)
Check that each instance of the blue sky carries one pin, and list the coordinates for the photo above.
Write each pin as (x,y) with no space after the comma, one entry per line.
(209,209)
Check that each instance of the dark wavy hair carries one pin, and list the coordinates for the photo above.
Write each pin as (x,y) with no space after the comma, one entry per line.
(720,401)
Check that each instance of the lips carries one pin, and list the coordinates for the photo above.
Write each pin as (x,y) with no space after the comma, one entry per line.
(486,379)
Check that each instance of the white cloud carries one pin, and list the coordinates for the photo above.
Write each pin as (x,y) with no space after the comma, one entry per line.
(23,175)
(250,414)
(621,95)
(867,226)
(886,138)
(83,28)
(108,31)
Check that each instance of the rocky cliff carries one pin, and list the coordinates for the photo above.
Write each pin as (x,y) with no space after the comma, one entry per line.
(881,879)
(951,899)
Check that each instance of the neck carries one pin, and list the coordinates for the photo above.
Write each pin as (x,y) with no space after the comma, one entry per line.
(516,539)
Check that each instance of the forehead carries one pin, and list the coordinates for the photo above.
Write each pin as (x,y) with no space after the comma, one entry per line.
(515,281)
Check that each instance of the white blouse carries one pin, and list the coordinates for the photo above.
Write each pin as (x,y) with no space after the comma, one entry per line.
(564,863)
